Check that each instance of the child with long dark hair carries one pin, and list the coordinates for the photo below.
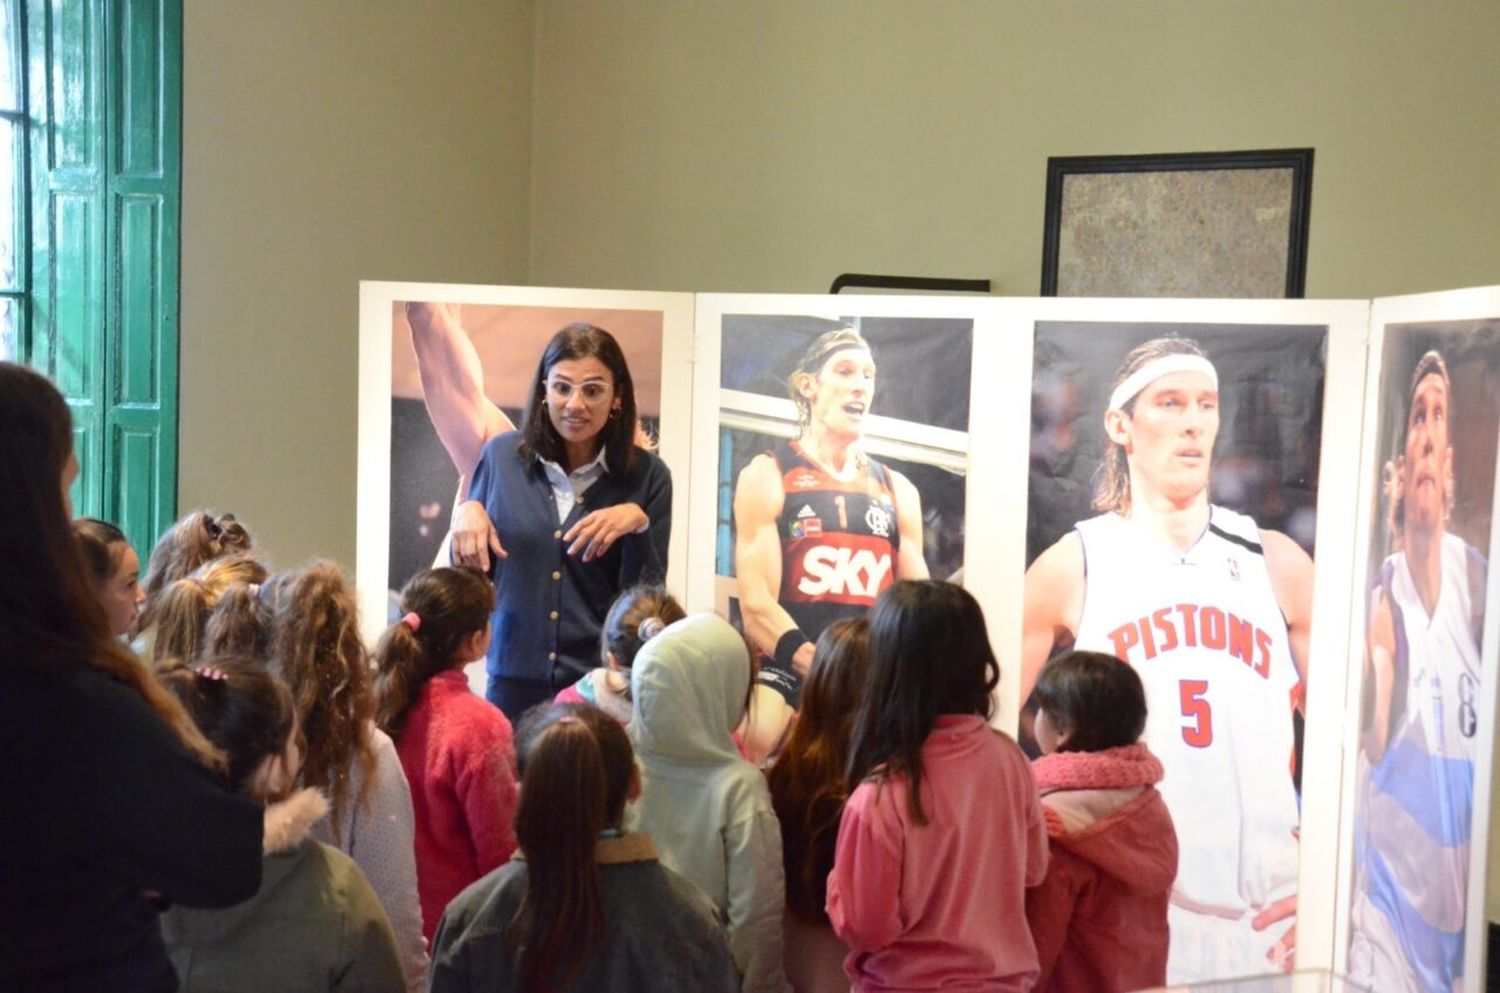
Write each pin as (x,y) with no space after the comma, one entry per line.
(457,749)
(637,615)
(116,570)
(808,790)
(942,832)
(315,924)
(87,732)
(589,906)
(1100,918)
(706,807)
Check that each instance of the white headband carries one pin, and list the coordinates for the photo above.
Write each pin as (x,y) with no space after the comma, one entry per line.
(1154,370)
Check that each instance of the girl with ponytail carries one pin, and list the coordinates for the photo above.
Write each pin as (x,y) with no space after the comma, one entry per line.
(588,906)
(85,732)
(183,608)
(456,749)
(637,615)
(315,924)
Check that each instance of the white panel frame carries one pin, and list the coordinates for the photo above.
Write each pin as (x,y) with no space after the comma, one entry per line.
(372,556)
(1003,455)
(1423,308)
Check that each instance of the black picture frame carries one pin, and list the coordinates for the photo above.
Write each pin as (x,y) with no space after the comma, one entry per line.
(1299,161)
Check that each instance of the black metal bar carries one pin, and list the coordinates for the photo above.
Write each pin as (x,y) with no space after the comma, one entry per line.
(929,284)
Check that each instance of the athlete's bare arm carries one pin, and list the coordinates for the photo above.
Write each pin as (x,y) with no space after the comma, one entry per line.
(1380,669)
(453,384)
(758,502)
(1291,571)
(910,562)
(1052,605)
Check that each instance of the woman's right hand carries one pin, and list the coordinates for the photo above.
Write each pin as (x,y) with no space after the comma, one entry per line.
(473,537)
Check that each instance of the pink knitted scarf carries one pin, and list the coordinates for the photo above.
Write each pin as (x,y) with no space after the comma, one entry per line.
(1111,769)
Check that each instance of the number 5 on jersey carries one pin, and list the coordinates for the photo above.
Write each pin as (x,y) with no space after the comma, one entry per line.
(1199,733)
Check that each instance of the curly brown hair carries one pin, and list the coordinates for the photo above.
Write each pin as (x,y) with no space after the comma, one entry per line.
(315,647)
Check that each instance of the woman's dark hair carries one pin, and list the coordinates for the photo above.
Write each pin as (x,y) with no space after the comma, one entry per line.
(102,545)
(50,614)
(576,766)
(196,539)
(808,785)
(581,341)
(929,654)
(240,707)
(1094,699)
(316,648)
(638,614)
(450,604)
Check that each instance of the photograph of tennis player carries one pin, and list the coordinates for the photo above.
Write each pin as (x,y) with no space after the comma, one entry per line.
(843,453)
(1174,470)
(1438,418)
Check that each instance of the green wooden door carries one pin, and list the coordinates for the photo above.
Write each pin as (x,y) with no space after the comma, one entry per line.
(105,101)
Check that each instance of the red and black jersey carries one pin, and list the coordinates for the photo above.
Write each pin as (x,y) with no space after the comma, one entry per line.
(838,539)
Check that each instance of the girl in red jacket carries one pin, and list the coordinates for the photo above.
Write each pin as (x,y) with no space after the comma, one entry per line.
(457,749)
(1099,919)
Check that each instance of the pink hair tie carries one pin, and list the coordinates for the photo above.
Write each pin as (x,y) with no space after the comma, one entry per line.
(412,621)
(210,672)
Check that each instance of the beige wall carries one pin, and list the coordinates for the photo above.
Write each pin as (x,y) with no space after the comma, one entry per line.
(753,147)
(769,146)
(324,143)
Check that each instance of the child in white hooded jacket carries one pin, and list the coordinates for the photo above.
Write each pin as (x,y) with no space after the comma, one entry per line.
(709,810)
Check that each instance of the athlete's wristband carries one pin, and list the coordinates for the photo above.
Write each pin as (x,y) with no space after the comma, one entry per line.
(787,647)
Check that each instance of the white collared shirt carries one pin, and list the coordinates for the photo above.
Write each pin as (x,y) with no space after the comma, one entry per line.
(568,488)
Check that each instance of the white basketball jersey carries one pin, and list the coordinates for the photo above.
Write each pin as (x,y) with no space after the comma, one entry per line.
(1441,654)
(1207,636)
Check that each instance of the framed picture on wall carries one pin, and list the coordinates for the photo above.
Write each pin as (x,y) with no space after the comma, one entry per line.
(1203,224)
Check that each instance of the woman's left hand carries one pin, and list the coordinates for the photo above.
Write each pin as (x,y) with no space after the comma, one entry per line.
(594,534)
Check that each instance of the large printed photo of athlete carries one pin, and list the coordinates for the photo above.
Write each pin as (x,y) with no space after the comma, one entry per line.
(460,375)
(1424,628)
(823,501)
(1171,524)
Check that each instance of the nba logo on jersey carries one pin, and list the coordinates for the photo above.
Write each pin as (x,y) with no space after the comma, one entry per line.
(1234,568)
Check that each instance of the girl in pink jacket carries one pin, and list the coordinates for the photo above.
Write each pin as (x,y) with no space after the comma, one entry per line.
(942,832)
(1100,918)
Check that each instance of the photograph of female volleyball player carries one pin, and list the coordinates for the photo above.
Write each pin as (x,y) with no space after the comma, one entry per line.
(836,494)
(1424,629)
(459,377)
(1196,535)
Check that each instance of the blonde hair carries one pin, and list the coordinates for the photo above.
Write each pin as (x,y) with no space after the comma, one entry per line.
(1112,477)
(195,539)
(811,363)
(184,608)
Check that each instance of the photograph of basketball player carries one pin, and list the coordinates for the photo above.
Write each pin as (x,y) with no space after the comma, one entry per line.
(1421,687)
(1214,612)
(820,527)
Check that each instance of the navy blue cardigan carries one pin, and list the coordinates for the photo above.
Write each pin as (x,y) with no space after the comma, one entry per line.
(551,605)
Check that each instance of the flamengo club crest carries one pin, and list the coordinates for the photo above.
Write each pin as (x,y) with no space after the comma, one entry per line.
(878,521)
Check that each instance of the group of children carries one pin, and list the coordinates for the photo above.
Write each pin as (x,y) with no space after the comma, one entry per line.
(618,838)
